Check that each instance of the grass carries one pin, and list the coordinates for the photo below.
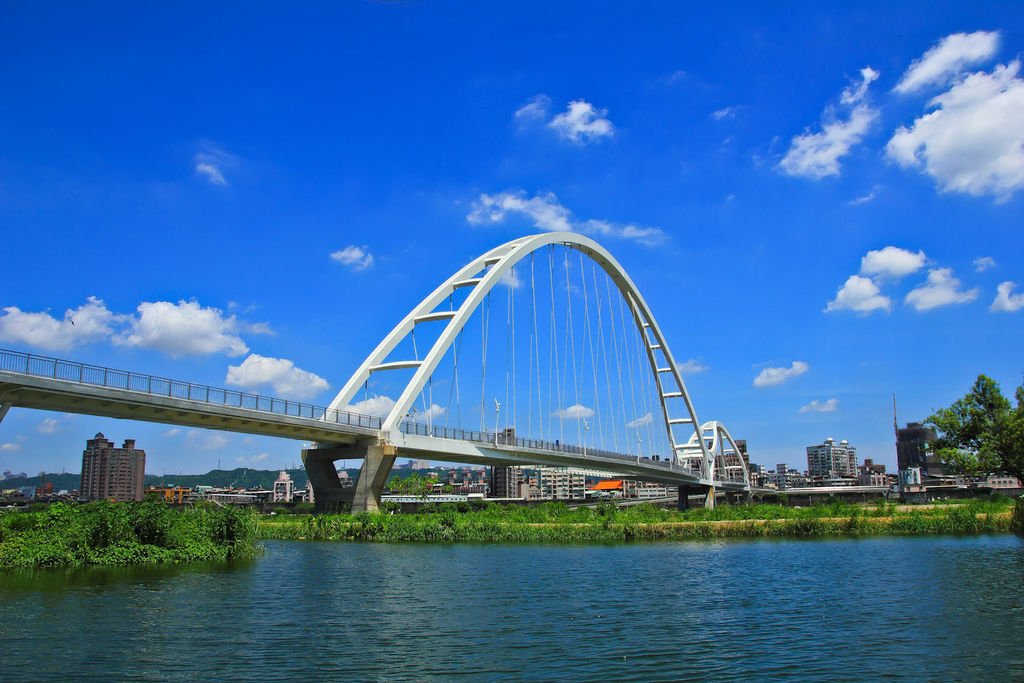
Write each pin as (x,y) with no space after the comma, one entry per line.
(557,523)
(104,533)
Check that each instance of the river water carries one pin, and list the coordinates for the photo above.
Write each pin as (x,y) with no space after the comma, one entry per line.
(832,610)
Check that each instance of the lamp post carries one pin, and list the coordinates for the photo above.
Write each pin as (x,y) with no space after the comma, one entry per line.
(586,433)
(497,411)
(638,448)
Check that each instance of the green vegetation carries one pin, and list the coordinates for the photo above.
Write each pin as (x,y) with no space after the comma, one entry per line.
(104,533)
(981,432)
(556,523)
(1018,516)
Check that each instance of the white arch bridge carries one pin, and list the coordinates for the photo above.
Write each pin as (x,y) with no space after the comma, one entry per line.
(548,329)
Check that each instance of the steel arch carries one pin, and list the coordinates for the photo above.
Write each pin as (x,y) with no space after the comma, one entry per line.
(481,275)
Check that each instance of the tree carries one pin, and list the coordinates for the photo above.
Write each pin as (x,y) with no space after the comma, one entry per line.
(981,432)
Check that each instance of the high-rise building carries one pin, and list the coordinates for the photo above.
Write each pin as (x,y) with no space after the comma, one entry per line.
(741,444)
(912,448)
(831,460)
(110,473)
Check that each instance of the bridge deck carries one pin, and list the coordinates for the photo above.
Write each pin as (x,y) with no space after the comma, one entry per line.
(43,383)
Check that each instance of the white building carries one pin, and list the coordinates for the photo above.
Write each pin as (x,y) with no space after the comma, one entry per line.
(831,460)
(283,488)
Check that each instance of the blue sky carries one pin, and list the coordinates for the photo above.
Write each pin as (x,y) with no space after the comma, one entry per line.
(822,206)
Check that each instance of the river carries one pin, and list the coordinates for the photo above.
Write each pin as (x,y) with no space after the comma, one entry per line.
(936,608)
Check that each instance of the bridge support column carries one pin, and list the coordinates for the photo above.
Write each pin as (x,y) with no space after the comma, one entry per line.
(372,477)
(709,501)
(4,407)
(328,493)
(684,498)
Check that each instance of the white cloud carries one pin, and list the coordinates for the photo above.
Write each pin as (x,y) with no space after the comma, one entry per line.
(544,211)
(205,440)
(770,377)
(279,373)
(983,263)
(356,258)
(511,279)
(90,322)
(829,406)
(816,155)
(171,433)
(10,447)
(47,426)
(640,421)
(859,294)
(941,289)
(724,113)
(951,56)
(377,406)
(582,123)
(574,412)
(972,142)
(863,199)
(692,367)
(1006,301)
(210,163)
(184,328)
(536,109)
(892,262)
(259,457)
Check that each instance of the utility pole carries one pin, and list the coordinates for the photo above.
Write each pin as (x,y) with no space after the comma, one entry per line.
(497,411)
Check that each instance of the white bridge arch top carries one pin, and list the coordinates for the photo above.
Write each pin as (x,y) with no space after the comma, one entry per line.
(481,275)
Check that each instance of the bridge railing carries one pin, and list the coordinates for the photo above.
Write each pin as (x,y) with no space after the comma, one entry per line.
(99,376)
(507,439)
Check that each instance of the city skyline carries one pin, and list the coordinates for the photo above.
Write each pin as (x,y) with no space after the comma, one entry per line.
(254,202)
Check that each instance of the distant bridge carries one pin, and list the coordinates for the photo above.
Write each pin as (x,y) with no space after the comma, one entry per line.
(606,331)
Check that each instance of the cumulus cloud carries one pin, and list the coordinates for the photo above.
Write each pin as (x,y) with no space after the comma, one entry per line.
(511,279)
(278,373)
(859,294)
(640,421)
(90,322)
(581,123)
(972,141)
(941,289)
(356,258)
(817,155)
(259,457)
(892,262)
(377,406)
(184,329)
(47,426)
(692,367)
(770,377)
(171,433)
(951,56)
(1006,301)
(10,447)
(983,263)
(210,163)
(829,406)
(545,212)
(574,412)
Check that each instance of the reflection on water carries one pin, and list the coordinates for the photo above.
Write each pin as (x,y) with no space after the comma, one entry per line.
(907,609)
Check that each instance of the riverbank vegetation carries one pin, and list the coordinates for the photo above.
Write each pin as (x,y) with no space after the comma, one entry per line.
(103,533)
(607,523)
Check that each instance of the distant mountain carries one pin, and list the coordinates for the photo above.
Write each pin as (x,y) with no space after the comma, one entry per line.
(238,477)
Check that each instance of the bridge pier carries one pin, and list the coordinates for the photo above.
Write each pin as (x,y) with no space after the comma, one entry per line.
(328,493)
(4,407)
(373,476)
(709,500)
